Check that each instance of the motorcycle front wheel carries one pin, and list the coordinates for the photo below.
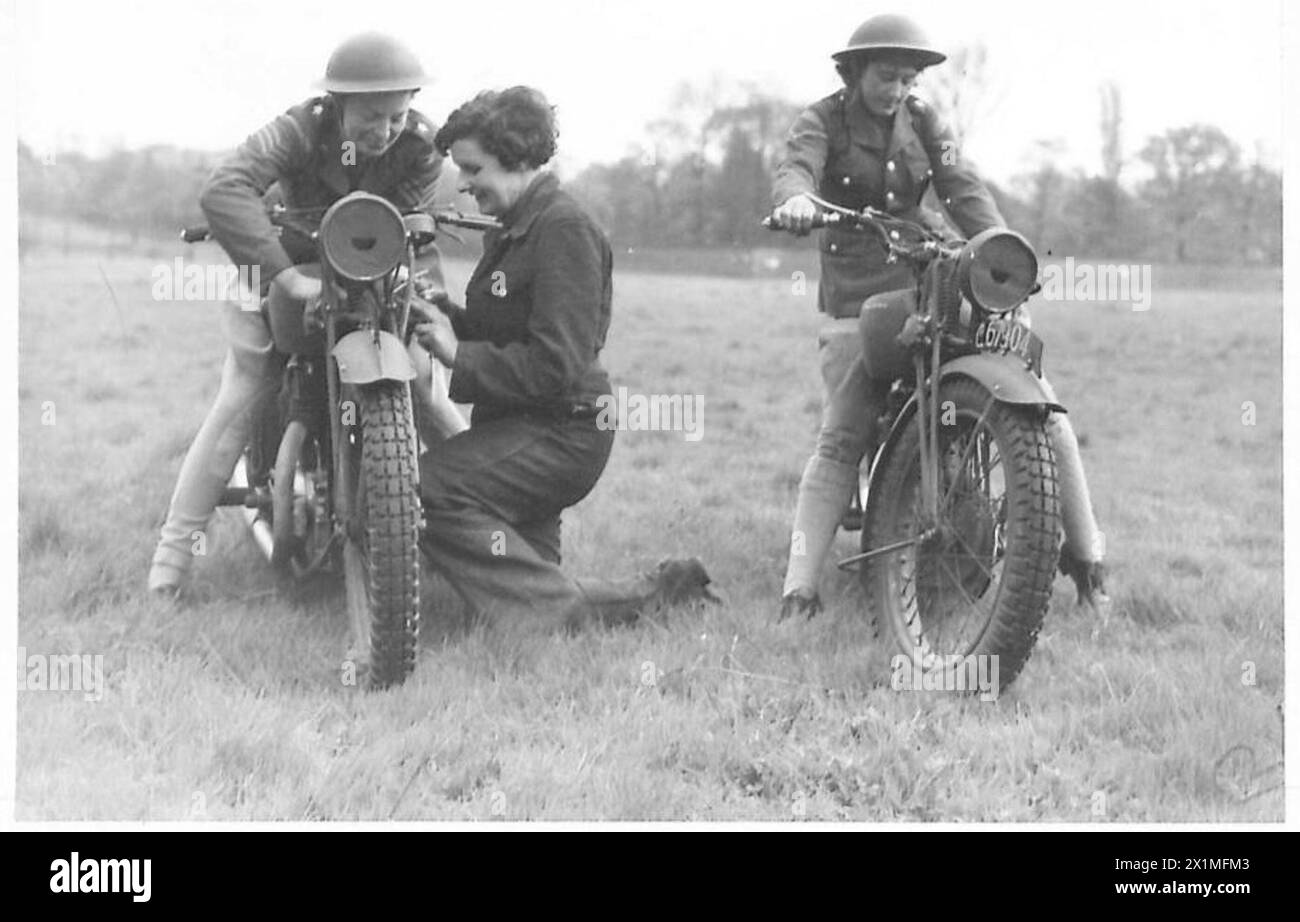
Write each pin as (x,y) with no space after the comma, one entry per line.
(976,582)
(381,557)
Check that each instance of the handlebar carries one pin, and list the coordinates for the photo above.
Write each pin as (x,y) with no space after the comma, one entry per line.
(900,237)
(281,216)
(478,222)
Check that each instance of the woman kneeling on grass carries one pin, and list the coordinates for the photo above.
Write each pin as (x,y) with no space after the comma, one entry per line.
(525,351)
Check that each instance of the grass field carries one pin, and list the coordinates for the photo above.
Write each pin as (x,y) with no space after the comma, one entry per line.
(231,705)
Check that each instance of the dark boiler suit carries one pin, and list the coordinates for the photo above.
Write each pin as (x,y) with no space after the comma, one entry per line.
(537,310)
(842,152)
(301,152)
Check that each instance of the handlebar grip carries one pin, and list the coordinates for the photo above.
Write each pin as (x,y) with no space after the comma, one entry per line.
(468,222)
(195,234)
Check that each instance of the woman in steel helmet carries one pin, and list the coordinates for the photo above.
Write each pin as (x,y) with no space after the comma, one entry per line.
(874,143)
(363,134)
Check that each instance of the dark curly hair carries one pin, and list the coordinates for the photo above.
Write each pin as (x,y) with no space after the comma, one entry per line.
(517,126)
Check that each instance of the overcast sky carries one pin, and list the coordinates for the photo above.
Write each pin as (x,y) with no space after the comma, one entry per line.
(206,74)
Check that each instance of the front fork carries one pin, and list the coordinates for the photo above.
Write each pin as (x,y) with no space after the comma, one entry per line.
(340,447)
(345,500)
(927,404)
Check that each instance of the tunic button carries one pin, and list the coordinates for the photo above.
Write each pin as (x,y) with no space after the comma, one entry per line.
(845,180)
(834,247)
(890,166)
(889,196)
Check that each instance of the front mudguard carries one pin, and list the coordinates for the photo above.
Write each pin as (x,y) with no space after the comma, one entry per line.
(1005,378)
(363,360)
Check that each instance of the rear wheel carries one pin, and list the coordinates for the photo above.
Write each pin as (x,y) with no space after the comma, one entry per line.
(381,558)
(975,583)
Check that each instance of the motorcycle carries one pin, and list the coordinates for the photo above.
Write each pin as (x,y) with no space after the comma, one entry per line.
(329,483)
(960,529)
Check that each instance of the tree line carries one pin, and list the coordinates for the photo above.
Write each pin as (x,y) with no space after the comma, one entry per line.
(703,180)
(1188,195)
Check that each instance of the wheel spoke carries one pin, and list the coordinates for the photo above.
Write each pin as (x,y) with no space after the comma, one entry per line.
(973,557)
(961,464)
(972,603)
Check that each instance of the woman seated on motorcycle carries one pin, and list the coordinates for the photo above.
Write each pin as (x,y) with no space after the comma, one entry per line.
(525,352)
(873,143)
(370,80)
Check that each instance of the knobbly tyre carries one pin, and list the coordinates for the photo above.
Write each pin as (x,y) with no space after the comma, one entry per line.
(961,529)
(330,480)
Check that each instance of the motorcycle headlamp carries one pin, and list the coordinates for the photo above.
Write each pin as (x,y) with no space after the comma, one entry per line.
(363,237)
(997,270)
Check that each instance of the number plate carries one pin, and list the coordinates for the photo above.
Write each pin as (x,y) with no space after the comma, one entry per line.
(1009,337)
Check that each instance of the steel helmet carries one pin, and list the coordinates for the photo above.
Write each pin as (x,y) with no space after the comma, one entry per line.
(891,32)
(373,63)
